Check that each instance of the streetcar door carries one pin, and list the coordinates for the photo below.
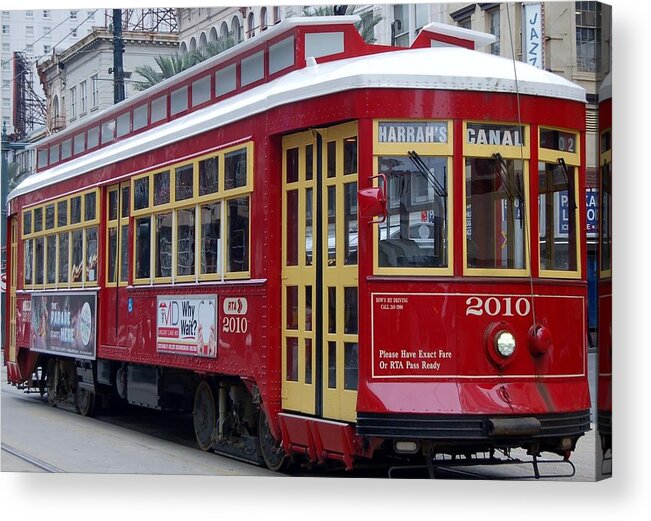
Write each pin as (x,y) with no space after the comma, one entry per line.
(13,279)
(320,325)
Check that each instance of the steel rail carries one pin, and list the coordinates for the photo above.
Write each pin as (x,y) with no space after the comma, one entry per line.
(31,459)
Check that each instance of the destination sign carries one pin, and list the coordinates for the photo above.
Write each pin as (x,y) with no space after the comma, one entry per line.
(413,132)
(499,135)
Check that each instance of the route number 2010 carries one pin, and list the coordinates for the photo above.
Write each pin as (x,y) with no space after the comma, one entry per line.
(235,325)
(493,306)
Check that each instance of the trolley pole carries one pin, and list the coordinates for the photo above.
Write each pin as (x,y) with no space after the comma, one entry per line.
(118,50)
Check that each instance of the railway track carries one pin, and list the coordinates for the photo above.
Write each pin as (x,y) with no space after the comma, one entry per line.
(46,467)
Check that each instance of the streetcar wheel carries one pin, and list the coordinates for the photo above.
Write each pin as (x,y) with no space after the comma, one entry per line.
(85,402)
(204,415)
(270,448)
(52,383)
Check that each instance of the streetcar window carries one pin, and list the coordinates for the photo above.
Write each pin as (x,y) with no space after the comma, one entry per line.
(308,226)
(108,131)
(350,155)
(143,245)
(141,193)
(140,115)
(75,210)
(292,359)
(495,234)
(163,245)
(350,311)
(309,162)
(179,100)
(79,143)
(606,216)
(90,200)
(184,183)
(162,191)
(159,109)
(93,137)
(291,164)
(185,234)
(350,223)
(238,235)
(124,124)
(42,157)
(200,91)
(91,254)
(39,256)
(51,245)
(38,219)
(64,252)
(556,217)
(332,365)
(28,258)
(292,228)
(252,68)
(235,169)
(66,149)
(332,158)
(208,176)
(414,234)
(226,80)
(124,253)
(77,255)
(210,238)
(112,205)
(49,216)
(125,201)
(112,254)
(281,55)
(62,213)
(351,365)
(54,153)
(27,222)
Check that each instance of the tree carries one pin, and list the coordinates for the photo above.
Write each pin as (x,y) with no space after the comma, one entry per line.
(366,26)
(169,66)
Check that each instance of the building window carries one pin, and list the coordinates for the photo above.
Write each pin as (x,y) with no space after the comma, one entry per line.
(29,14)
(73,102)
(94,80)
(400,26)
(29,49)
(6,103)
(83,95)
(29,30)
(494,29)
(73,15)
(588,36)
(250,32)
(73,33)
(46,32)
(5,29)
(5,47)
(46,49)
(46,13)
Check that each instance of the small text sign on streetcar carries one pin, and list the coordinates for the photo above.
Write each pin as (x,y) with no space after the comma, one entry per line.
(186,325)
(413,132)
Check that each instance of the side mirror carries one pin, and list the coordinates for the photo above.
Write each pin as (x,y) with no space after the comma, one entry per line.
(372,201)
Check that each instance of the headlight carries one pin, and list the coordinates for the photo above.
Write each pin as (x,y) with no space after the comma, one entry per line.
(505,344)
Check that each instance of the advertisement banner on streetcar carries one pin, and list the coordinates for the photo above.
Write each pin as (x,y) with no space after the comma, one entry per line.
(64,323)
(186,325)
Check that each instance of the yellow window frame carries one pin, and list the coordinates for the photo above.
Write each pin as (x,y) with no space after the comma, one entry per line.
(573,159)
(515,152)
(444,149)
(222,196)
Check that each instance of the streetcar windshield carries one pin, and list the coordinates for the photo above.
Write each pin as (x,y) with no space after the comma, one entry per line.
(415,231)
(495,231)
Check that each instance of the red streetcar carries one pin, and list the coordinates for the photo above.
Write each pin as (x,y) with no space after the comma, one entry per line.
(605,344)
(328,251)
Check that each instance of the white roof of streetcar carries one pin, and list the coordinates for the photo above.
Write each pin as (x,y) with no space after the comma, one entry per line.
(444,67)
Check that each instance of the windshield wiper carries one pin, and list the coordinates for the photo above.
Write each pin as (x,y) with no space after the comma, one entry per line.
(570,185)
(427,174)
(512,187)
